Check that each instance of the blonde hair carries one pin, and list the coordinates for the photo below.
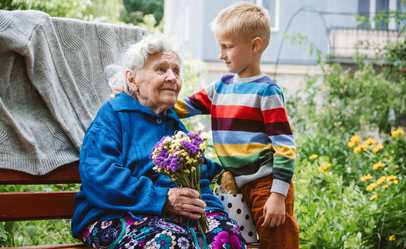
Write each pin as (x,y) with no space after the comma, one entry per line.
(243,19)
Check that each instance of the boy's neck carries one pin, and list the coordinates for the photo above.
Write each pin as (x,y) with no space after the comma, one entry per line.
(251,71)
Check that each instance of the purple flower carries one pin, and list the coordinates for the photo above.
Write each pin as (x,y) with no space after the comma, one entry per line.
(190,147)
(196,138)
(179,157)
(226,238)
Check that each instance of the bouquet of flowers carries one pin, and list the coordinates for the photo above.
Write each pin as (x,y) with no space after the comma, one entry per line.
(180,157)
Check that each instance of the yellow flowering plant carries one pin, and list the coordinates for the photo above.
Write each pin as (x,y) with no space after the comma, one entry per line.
(381,168)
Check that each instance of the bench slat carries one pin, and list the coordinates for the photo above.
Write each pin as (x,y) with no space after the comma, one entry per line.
(65,174)
(43,205)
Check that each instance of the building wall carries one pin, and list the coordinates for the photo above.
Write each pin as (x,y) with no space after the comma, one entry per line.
(302,24)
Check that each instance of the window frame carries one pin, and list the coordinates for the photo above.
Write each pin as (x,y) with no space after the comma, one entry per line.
(276,18)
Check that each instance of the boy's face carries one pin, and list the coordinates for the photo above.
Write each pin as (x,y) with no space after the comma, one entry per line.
(239,55)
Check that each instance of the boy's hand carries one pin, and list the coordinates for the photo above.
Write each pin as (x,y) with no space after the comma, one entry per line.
(274,210)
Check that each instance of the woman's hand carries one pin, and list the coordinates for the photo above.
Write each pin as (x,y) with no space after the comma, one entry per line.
(186,202)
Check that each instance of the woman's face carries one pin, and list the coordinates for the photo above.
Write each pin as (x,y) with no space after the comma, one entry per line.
(158,83)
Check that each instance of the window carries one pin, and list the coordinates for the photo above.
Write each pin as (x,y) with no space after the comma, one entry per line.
(372,10)
(273,7)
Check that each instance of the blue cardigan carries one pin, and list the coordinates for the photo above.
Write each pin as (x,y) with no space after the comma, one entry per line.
(116,167)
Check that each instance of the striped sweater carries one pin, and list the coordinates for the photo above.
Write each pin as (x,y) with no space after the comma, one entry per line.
(251,133)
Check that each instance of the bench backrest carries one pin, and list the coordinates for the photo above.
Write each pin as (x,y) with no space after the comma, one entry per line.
(38,205)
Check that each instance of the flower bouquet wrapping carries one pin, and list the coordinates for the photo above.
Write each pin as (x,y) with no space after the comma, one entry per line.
(180,157)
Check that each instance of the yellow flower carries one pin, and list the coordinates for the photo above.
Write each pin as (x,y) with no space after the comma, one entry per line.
(358,149)
(364,146)
(313,157)
(366,178)
(377,148)
(399,132)
(355,140)
(392,237)
(392,178)
(203,145)
(378,165)
(385,186)
(324,167)
(373,197)
(380,180)
(370,141)
(372,186)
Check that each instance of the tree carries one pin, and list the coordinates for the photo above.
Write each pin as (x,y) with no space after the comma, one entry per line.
(136,9)
(101,10)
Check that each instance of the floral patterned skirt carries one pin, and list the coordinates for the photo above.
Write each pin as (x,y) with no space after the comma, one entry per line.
(157,232)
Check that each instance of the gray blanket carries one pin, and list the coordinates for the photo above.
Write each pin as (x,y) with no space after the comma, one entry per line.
(51,85)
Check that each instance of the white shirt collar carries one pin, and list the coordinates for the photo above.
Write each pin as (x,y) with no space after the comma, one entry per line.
(237,79)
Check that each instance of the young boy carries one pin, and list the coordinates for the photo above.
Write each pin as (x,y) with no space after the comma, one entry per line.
(251,133)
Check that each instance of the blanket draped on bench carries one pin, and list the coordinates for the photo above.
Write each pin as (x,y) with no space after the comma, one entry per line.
(52,84)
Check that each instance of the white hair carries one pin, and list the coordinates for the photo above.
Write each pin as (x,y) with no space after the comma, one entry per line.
(136,55)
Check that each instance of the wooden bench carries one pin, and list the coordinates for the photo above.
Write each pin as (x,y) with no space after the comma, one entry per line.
(18,206)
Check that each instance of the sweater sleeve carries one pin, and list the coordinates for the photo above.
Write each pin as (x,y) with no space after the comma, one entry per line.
(196,104)
(210,169)
(106,182)
(278,129)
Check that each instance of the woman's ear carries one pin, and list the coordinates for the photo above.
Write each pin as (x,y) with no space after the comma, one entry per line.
(130,76)
(257,44)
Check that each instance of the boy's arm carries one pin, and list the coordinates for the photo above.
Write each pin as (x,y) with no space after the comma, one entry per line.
(198,103)
(279,131)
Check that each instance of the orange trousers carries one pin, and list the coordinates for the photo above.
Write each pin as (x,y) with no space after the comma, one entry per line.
(285,236)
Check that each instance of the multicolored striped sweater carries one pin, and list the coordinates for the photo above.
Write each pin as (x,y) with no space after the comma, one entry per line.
(251,132)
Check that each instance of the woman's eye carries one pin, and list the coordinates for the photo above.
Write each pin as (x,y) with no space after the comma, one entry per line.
(161,71)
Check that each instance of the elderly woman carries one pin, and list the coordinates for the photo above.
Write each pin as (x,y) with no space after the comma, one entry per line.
(122,202)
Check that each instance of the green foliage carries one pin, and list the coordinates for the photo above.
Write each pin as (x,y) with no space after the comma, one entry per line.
(351,166)
(136,9)
(53,7)
(350,195)
(396,54)
(100,10)
(331,214)
(351,100)
(36,232)
(382,19)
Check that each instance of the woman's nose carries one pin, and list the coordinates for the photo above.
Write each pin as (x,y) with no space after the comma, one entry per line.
(170,75)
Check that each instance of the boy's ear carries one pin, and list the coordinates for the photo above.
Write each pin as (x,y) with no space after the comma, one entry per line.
(257,44)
